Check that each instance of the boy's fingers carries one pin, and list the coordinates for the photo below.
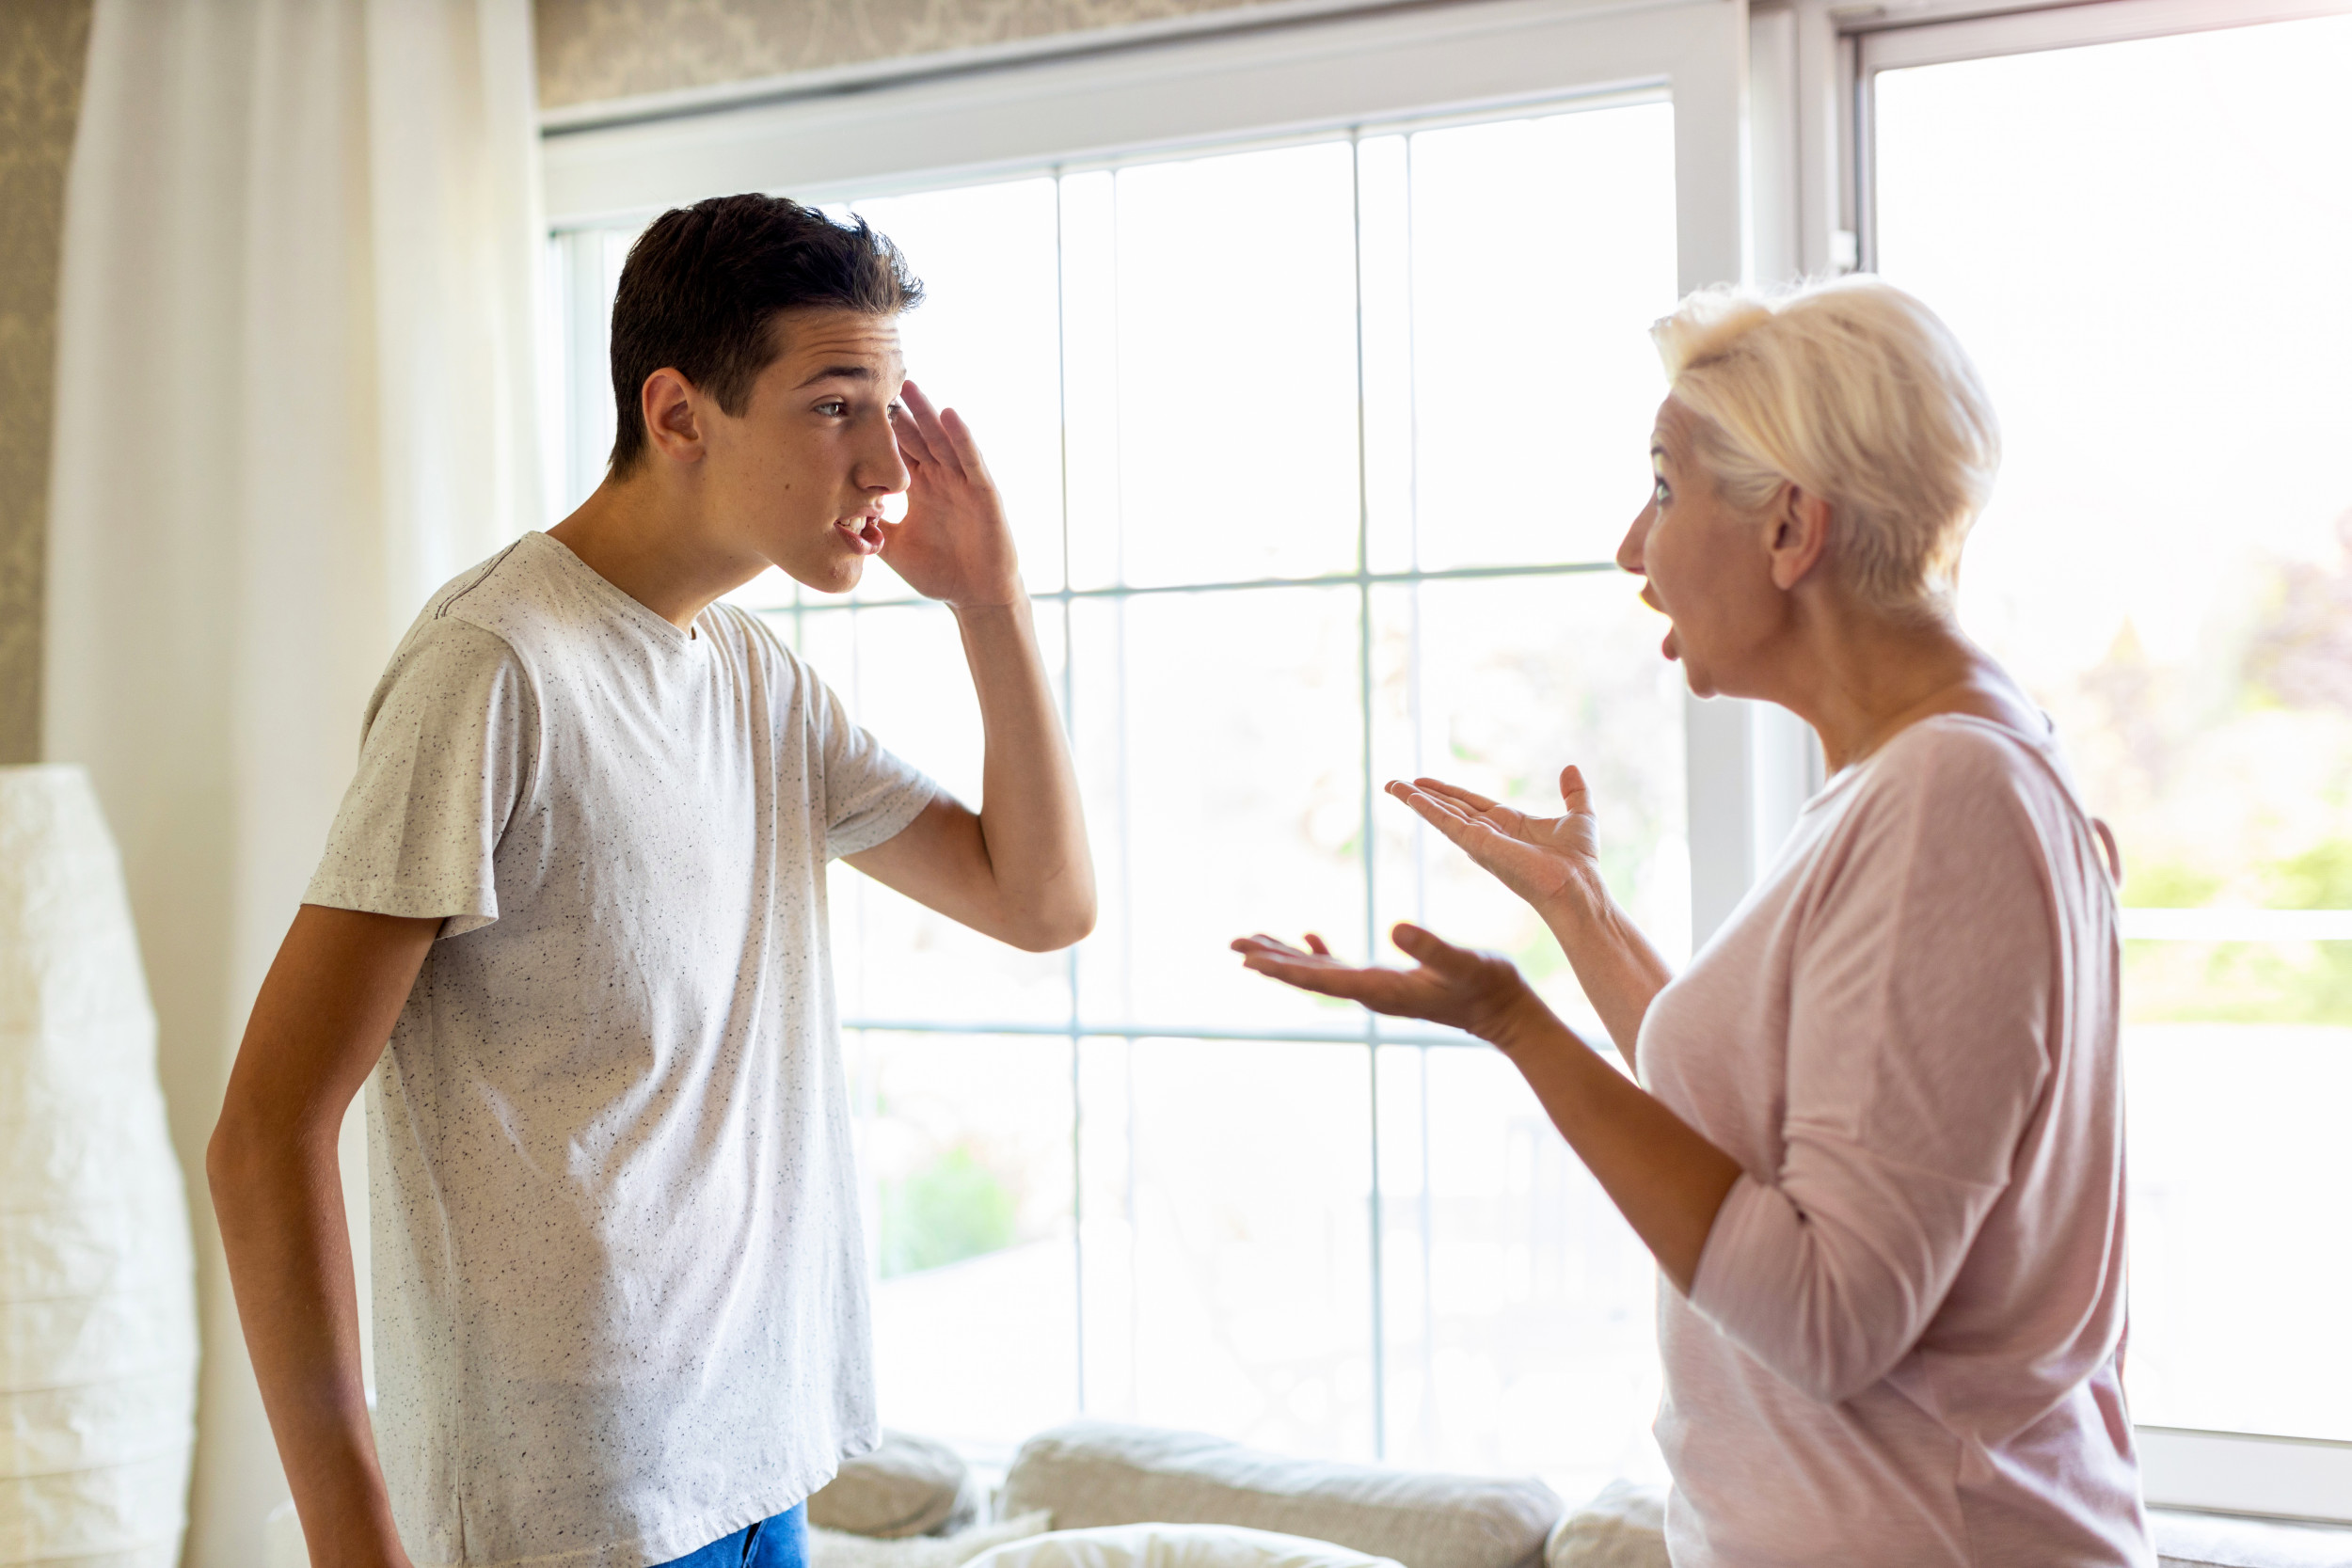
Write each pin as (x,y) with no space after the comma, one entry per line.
(909,430)
(927,419)
(967,446)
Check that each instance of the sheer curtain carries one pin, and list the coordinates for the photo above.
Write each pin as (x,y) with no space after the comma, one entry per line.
(295,390)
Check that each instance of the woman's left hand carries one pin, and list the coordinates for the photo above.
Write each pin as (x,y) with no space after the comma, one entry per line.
(1479,993)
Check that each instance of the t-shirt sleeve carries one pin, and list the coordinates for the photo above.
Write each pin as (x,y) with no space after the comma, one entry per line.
(444,761)
(869,793)
(1917,1036)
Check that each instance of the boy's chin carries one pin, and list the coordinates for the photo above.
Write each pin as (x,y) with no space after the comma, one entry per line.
(837,576)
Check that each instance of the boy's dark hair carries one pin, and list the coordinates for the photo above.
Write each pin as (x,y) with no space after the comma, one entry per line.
(703,284)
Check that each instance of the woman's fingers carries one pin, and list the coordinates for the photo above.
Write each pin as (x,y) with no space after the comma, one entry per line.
(1572,791)
(1437,811)
(1431,951)
(1469,797)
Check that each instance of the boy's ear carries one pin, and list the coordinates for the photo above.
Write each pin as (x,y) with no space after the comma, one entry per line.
(1797,522)
(668,402)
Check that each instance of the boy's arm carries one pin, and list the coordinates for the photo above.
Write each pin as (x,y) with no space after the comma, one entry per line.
(1018,870)
(319,1024)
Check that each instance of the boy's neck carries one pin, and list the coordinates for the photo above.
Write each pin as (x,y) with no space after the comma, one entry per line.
(655,546)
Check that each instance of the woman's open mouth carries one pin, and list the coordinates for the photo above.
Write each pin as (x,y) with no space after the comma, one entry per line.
(865,534)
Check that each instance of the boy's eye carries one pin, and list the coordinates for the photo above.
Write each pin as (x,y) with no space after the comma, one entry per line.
(1658,492)
(831,405)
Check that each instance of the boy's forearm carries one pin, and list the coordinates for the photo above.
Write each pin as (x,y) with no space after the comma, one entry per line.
(283,1228)
(1031,824)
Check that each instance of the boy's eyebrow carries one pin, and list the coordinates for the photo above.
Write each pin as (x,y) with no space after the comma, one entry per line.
(839,373)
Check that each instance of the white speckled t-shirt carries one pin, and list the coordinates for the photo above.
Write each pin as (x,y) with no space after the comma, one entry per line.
(619,1278)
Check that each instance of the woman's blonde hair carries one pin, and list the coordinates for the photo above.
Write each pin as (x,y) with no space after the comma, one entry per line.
(1855,391)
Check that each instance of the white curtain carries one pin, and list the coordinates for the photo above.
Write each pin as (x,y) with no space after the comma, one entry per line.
(296,388)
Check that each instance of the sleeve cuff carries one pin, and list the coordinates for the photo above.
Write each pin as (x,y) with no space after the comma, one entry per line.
(459,912)
(1717,1290)
(883,824)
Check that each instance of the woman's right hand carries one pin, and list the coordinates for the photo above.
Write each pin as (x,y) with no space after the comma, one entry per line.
(1542,859)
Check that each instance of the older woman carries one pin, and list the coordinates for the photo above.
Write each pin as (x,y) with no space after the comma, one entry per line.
(1876,1143)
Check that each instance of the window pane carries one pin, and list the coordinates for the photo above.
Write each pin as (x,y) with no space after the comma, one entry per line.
(1221,743)
(1541,249)
(2126,237)
(1521,1308)
(1237,366)
(1226,1190)
(900,669)
(1496,685)
(966,1152)
(986,341)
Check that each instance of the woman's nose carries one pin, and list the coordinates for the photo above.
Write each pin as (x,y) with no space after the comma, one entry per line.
(1629,548)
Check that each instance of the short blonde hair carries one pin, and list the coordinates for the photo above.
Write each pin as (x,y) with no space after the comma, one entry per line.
(1856,391)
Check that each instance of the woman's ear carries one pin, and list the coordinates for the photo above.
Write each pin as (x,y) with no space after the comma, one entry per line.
(1799,538)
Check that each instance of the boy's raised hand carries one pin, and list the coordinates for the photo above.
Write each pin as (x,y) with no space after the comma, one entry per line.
(955,544)
(1539,858)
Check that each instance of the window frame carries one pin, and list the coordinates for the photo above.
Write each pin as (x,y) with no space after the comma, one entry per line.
(1813,64)
(1773,183)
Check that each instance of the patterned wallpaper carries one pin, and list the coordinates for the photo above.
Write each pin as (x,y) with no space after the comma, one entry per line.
(42,44)
(596,49)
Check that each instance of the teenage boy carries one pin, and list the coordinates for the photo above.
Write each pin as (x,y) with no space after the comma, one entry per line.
(579,884)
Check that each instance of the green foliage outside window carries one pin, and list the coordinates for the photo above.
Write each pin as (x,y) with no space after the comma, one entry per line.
(953,1209)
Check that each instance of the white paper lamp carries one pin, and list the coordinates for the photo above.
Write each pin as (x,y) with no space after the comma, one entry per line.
(97,1290)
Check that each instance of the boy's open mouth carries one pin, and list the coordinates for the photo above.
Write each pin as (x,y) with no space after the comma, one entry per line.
(865,534)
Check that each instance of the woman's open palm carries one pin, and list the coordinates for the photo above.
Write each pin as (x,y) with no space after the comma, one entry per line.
(1539,858)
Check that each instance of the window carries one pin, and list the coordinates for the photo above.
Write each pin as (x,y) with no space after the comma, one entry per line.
(1136,1181)
(1274,519)
(2143,242)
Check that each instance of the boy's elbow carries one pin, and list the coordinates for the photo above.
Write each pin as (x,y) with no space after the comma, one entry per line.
(223,1164)
(1052,931)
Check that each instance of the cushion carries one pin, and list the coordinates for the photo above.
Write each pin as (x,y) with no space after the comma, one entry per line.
(1093,1473)
(1625,1526)
(1163,1545)
(908,1486)
(834,1549)
(2212,1541)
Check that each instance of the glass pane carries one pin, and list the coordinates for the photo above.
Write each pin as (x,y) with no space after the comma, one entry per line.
(906,680)
(2125,238)
(965,1156)
(1521,1308)
(1237,366)
(986,340)
(1542,248)
(1497,683)
(2239,1277)
(1221,751)
(1226,1193)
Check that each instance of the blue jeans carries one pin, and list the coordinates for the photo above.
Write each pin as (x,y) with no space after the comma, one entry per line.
(781,1541)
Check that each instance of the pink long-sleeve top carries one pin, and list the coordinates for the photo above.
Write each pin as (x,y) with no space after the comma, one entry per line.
(1901,1345)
